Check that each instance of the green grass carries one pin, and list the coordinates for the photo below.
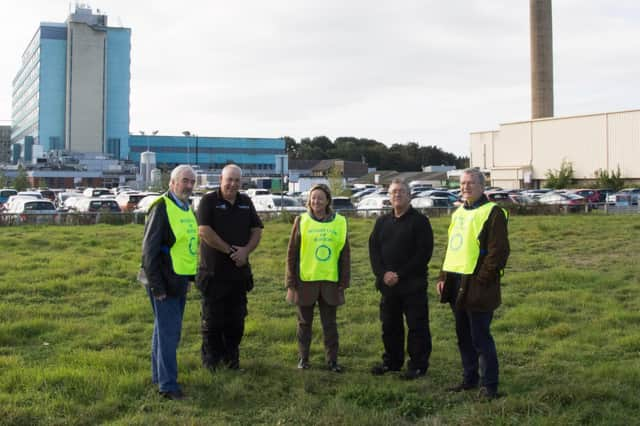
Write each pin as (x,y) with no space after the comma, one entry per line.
(75,330)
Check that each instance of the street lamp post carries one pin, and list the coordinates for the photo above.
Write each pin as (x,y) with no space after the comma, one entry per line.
(187,133)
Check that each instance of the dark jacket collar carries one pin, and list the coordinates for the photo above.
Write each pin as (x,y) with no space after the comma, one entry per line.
(479,202)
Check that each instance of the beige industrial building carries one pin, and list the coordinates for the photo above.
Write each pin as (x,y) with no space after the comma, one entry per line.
(520,154)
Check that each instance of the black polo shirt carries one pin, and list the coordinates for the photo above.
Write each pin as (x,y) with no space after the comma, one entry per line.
(232,223)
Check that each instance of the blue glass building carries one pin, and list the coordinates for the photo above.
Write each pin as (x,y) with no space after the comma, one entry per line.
(254,155)
(88,114)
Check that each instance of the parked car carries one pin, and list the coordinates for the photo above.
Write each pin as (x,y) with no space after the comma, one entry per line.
(591,195)
(62,197)
(274,203)
(252,192)
(5,194)
(70,202)
(625,197)
(572,202)
(535,193)
(128,201)
(438,194)
(20,196)
(145,203)
(373,206)
(96,192)
(433,200)
(92,205)
(34,211)
(422,203)
(500,197)
(604,194)
(362,194)
(342,203)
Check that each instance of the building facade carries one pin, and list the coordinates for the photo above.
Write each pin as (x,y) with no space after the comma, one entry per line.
(5,144)
(520,154)
(72,90)
(256,156)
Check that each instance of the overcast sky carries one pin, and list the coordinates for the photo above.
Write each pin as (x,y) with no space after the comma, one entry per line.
(427,71)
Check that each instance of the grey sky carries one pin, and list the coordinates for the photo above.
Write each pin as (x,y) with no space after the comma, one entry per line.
(427,71)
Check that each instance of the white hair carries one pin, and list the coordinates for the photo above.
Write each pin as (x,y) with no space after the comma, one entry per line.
(231,167)
(178,171)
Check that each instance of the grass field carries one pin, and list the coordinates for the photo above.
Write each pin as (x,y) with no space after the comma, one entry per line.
(75,330)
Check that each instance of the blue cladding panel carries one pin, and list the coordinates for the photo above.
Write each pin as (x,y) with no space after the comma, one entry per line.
(178,149)
(53,33)
(53,63)
(118,86)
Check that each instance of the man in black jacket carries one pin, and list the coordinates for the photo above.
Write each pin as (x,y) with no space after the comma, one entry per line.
(230,230)
(169,263)
(400,247)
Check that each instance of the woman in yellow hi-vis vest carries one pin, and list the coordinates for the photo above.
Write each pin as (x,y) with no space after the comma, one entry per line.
(318,271)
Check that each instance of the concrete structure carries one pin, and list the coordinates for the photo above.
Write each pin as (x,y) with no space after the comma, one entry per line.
(541,58)
(256,156)
(5,144)
(519,154)
(72,90)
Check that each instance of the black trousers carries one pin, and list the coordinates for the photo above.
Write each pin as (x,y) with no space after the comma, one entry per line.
(224,309)
(329,330)
(415,309)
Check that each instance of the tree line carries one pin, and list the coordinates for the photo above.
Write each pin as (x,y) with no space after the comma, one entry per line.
(400,157)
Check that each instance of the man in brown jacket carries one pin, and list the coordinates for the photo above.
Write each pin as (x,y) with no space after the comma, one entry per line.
(477,252)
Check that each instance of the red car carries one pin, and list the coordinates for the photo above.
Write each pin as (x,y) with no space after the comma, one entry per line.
(592,196)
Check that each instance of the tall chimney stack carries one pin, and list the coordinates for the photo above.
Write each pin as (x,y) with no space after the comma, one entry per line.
(541,59)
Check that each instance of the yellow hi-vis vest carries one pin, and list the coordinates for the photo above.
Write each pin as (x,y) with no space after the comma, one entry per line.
(184,252)
(320,247)
(463,249)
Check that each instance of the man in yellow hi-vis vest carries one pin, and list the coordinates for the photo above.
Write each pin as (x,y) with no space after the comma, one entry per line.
(170,260)
(477,252)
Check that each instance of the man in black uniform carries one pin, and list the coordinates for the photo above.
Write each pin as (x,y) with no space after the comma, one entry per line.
(400,247)
(229,230)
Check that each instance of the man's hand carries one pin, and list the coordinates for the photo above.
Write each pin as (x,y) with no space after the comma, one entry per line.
(390,278)
(240,255)
(440,287)
(160,297)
